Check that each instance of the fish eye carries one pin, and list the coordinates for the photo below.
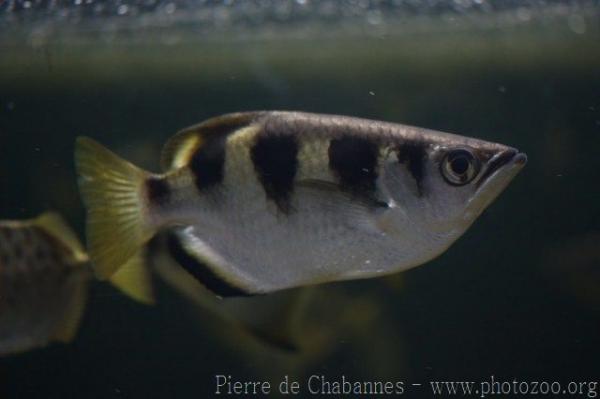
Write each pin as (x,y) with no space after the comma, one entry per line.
(459,167)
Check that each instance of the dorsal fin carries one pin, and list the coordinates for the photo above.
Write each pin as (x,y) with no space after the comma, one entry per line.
(180,148)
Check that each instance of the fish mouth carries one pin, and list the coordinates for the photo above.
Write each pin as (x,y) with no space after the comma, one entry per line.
(502,159)
(501,169)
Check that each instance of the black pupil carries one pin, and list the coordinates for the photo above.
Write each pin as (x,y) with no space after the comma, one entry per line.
(460,165)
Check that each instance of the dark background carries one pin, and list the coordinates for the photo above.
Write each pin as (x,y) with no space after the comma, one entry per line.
(518,297)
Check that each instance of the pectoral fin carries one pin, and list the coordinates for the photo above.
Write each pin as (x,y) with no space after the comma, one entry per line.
(279,326)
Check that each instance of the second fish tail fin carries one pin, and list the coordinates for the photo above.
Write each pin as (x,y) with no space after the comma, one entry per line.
(73,311)
(113,193)
(54,224)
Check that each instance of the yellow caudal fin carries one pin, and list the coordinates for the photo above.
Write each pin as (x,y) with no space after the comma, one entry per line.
(134,279)
(111,189)
(67,329)
(54,225)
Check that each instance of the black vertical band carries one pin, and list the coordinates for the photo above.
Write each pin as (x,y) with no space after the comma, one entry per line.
(354,161)
(413,155)
(275,159)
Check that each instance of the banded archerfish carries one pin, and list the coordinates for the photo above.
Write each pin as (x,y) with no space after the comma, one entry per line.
(262,201)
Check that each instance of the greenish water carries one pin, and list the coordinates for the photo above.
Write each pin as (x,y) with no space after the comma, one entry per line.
(518,297)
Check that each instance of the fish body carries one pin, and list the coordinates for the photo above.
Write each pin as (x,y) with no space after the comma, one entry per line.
(264,201)
(43,283)
(269,320)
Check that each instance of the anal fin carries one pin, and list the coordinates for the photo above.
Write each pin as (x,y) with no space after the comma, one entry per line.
(134,279)
(201,270)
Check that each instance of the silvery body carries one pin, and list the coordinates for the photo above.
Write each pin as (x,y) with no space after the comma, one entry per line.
(265,201)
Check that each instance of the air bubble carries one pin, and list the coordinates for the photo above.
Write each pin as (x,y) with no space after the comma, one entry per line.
(170,8)
(374,17)
(576,23)
(523,14)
